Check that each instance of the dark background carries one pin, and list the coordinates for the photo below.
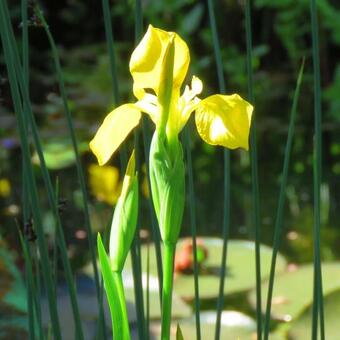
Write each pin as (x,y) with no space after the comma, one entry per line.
(281,38)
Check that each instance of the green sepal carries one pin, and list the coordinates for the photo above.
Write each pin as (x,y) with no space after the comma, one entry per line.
(124,219)
(167,179)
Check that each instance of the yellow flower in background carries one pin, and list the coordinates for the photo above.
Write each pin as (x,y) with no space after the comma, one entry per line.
(104,183)
(158,66)
(5,187)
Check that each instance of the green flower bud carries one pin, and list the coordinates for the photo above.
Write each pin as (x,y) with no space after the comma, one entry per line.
(167,185)
(124,219)
(166,85)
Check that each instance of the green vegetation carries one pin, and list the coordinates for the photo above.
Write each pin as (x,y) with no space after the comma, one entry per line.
(64,66)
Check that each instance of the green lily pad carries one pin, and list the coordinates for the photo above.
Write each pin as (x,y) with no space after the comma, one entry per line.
(240,271)
(293,291)
(234,325)
(59,154)
(301,328)
(179,308)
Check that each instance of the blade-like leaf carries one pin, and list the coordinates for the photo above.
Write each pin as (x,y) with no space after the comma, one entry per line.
(112,297)
(179,335)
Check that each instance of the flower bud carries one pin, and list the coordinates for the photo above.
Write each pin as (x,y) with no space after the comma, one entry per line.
(124,219)
(167,185)
(166,85)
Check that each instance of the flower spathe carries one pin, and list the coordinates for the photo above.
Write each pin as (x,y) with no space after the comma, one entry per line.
(220,119)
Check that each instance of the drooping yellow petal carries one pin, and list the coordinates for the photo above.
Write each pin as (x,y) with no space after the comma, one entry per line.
(224,120)
(147,58)
(115,128)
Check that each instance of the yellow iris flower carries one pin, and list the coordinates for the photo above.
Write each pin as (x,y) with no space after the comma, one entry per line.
(220,119)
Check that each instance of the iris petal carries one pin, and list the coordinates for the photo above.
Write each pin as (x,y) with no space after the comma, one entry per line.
(188,101)
(113,131)
(224,120)
(147,58)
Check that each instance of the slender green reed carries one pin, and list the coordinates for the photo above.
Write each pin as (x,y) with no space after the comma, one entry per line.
(25,44)
(226,186)
(318,310)
(9,53)
(147,296)
(136,258)
(154,226)
(30,285)
(50,191)
(34,327)
(254,172)
(146,146)
(30,299)
(111,49)
(80,172)
(192,206)
(25,194)
(281,202)
(138,285)
(37,288)
(138,19)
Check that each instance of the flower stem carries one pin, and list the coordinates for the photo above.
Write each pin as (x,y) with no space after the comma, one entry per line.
(123,330)
(168,271)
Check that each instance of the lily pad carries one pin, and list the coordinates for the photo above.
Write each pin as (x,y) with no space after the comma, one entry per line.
(179,308)
(293,291)
(301,328)
(234,325)
(240,271)
(59,154)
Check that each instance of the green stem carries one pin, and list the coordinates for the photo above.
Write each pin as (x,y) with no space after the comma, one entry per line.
(168,271)
(122,330)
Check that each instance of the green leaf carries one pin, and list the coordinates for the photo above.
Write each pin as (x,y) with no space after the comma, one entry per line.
(179,335)
(108,280)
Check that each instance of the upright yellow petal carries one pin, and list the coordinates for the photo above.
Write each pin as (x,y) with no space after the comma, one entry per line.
(147,59)
(113,131)
(224,120)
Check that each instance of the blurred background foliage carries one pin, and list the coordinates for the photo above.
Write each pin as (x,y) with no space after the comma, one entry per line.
(281,38)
